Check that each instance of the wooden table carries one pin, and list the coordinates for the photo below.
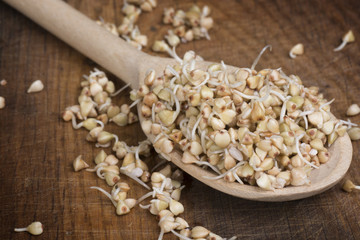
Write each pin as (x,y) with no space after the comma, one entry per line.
(37,148)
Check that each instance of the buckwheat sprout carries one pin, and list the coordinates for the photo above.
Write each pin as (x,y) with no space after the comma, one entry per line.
(145,196)
(98,145)
(98,173)
(297,143)
(193,131)
(283,110)
(120,90)
(144,143)
(325,104)
(267,91)
(132,176)
(177,104)
(244,95)
(161,189)
(202,139)
(106,194)
(134,103)
(225,173)
(180,236)
(337,125)
(95,103)
(102,106)
(203,82)
(173,54)
(192,65)
(259,56)
(145,206)
(161,234)
(216,152)
(236,177)
(176,88)
(116,192)
(279,95)
(183,122)
(96,73)
(205,32)
(126,168)
(77,126)
(349,123)
(348,37)
(203,163)
(173,71)
(223,66)
(184,71)
(128,149)
(96,167)
(172,82)
(282,74)
(302,114)
(306,122)
(162,162)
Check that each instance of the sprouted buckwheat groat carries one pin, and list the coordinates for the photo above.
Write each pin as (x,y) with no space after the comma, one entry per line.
(349,186)
(260,127)
(35,228)
(36,86)
(296,50)
(79,164)
(347,38)
(353,110)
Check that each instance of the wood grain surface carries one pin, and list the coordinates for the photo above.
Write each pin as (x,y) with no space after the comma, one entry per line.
(37,148)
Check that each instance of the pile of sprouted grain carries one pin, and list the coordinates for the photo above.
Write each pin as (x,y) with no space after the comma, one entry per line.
(187,26)
(96,108)
(127,29)
(260,127)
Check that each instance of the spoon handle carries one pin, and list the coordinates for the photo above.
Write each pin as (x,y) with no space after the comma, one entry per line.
(84,35)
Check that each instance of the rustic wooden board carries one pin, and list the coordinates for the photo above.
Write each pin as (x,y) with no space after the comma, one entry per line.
(37,147)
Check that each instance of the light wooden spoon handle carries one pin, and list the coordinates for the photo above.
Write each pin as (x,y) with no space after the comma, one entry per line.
(85,35)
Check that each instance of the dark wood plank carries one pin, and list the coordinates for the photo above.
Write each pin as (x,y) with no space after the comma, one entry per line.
(37,147)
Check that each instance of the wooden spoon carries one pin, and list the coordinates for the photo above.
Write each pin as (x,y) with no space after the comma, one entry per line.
(130,65)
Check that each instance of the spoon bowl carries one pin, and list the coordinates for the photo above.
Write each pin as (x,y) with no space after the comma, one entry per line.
(131,66)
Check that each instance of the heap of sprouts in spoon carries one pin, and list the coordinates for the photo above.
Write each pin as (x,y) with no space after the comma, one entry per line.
(263,128)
